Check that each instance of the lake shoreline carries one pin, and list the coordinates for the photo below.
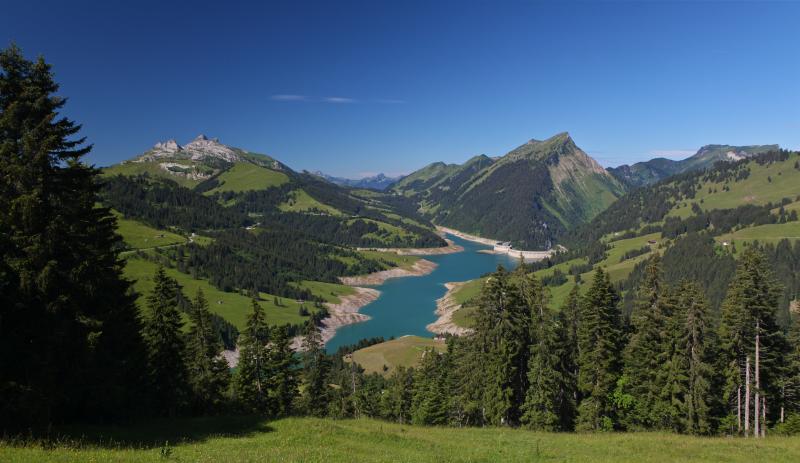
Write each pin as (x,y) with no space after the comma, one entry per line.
(449,249)
(446,307)
(343,313)
(420,268)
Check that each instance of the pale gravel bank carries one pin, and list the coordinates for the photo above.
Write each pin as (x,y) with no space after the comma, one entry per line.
(446,306)
(342,314)
(449,249)
(420,267)
(467,236)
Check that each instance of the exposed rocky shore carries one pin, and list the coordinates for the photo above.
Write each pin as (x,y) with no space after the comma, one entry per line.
(421,267)
(446,306)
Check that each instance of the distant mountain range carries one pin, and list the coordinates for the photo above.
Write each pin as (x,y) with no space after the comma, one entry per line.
(649,172)
(376,182)
(530,196)
(259,186)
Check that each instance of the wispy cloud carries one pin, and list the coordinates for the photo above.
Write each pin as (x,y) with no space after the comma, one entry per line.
(290,97)
(286,97)
(672,154)
(337,99)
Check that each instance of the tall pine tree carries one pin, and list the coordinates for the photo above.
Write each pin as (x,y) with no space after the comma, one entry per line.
(642,354)
(282,367)
(750,307)
(689,350)
(165,346)
(253,375)
(599,359)
(314,400)
(501,331)
(208,371)
(66,313)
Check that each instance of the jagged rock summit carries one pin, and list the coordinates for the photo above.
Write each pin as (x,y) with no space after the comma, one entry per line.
(198,149)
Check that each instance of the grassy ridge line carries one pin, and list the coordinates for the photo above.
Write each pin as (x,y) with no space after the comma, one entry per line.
(244,176)
(246,439)
(404,351)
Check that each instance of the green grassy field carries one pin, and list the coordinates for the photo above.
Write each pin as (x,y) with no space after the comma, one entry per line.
(250,439)
(244,176)
(140,236)
(234,307)
(767,183)
(770,233)
(301,201)
(405,262)
(151,168)
(405,351)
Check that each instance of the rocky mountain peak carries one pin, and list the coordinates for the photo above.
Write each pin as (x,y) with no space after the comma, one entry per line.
(199,149)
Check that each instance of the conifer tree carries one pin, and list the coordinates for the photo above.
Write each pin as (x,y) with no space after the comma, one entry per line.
(396,401)
(282,367)
(790,384)
(642,355)
(546,381)
(67,314)
(165,346)
(430,395)
(691,344)
(252,376)
(502,332)
(599,360)
(314,400)
(566,336)
(208,371)
(750,308)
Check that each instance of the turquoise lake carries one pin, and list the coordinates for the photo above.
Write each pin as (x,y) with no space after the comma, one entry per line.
(406,305)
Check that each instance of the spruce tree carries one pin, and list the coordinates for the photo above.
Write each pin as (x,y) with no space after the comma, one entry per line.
(599,359)
(165,346)
(67,314)
(687,391)
(430,396)
(252,376)
(642,355)
(546,381)
(502,333)
(790,385)
(750,308)
(282,367)
(208,371)
(314,400)
(397,399)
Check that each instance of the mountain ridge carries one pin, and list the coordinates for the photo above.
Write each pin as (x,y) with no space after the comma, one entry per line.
(651,171)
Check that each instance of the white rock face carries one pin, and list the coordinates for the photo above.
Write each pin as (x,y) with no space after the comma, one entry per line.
(201,148)
(197,150)
(734,156)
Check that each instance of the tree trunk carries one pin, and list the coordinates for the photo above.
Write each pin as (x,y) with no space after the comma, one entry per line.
(763,417)
(747,397)
(757,403)
(739,409)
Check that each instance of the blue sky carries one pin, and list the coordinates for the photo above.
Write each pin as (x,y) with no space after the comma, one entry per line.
(353,88)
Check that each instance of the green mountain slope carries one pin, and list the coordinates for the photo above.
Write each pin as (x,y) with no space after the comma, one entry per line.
(649,172)
(699,221)
(530,196)
(238,224)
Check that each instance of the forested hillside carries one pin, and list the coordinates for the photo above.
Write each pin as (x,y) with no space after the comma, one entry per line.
(649,172)
(531,196)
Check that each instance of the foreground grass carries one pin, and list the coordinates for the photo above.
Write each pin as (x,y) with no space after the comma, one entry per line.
(322,440)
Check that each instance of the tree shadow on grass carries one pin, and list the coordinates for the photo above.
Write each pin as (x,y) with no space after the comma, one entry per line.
(159,433)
